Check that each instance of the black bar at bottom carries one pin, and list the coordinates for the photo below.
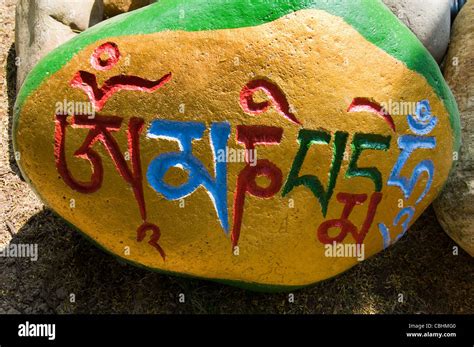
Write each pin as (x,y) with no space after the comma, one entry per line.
(137,330)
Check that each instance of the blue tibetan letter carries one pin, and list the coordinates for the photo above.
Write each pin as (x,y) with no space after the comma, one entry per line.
(184,133)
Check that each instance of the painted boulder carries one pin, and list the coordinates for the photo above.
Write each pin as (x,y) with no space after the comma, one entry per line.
(264,144)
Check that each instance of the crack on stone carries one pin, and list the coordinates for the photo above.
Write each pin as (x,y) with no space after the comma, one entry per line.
(72,26)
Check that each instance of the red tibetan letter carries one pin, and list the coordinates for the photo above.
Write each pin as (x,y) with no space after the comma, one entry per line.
(246,181)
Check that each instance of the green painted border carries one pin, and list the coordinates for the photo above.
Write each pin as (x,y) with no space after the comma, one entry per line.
(371,18)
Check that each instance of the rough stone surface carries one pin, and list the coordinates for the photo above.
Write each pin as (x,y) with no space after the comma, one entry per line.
(115,7)
(42,25)
(307,87)
(455,206)
(430,21)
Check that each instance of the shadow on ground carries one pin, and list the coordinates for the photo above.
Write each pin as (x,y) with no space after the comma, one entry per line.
(421,266)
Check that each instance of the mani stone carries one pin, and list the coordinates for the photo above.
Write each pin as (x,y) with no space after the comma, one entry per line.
(260,144)
(429,20)
(455,206)
(42,25)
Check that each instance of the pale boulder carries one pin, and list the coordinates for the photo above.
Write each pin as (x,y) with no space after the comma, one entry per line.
(429,20)
(42,25)
(455,206)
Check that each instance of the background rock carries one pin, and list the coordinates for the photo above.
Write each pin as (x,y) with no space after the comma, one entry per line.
(115,7)
(42,25)
(456,6)
(429,20)
(455,206)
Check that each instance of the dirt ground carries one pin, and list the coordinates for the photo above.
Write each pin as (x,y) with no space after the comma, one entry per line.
(421,266)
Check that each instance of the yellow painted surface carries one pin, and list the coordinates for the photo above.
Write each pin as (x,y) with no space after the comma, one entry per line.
(320,62)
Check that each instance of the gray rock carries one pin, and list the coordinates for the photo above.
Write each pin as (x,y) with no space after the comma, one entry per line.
(429,20)
(42,25)
(455,206)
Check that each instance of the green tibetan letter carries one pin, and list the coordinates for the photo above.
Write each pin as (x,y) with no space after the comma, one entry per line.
(306,139)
